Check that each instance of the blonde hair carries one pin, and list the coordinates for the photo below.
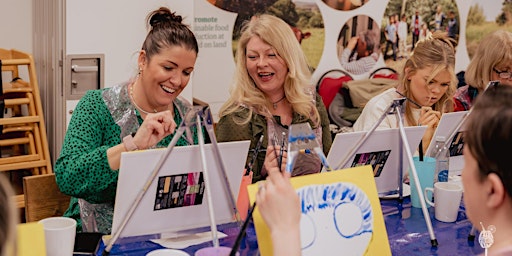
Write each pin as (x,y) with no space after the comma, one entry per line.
(436,51)
(494,50)
(8,218)
(243,91)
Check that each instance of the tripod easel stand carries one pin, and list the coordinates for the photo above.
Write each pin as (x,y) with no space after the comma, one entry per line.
(192,118)
(395,108)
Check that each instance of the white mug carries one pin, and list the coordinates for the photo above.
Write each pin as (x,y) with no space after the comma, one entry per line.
(59,235)
(447,196)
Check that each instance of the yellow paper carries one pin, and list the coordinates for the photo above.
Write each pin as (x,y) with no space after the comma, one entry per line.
(357,182)
(31,239)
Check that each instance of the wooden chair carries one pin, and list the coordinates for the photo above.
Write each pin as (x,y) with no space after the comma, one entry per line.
(43,198)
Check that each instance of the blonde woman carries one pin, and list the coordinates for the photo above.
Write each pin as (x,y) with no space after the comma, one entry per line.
(427,79)
(8,219)
(492,61)
(272,91)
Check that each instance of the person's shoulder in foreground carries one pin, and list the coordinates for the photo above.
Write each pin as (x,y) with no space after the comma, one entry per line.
(487,175)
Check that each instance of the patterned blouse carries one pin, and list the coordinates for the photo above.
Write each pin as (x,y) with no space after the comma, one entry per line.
(100,121)
(464,97)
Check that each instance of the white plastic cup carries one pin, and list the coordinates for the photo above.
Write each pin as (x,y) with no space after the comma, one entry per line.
(167,252)
(447,197)
(59,235)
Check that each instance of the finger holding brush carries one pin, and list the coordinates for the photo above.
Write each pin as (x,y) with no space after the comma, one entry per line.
(272,159)
(430,118)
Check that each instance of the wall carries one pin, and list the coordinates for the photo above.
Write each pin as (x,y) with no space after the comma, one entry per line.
(16,25)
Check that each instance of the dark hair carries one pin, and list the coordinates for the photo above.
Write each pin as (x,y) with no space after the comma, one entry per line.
(488,133)
(167,30)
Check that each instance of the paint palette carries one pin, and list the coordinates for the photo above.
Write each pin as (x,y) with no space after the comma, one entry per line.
(406,192)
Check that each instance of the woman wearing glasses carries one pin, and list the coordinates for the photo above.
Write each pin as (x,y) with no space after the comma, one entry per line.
(492,61)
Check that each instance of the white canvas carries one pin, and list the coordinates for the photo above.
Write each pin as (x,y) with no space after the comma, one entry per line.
(136,168)
(379,141)
(447,124)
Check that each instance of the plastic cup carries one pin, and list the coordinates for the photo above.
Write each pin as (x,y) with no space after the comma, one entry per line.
(59,235)
(167,252)
(425,170)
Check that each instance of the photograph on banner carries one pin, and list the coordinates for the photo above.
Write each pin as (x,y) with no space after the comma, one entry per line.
(484,18)
(345,5)
(358,45)
(405,22)
(303,16)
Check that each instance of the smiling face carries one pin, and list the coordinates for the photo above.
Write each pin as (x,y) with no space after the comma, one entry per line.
(266,68)
(165,75)
(425,92)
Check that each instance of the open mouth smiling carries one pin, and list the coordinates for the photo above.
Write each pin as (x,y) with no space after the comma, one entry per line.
(167,89)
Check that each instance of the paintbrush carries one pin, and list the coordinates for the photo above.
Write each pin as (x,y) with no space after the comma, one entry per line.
(254,156)
(241,234)
(409,99)
(281,151)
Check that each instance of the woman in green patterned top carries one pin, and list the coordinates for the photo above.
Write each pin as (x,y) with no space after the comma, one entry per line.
(271,91)
(140,114)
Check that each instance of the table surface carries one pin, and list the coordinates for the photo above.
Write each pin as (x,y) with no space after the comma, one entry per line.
(405,225)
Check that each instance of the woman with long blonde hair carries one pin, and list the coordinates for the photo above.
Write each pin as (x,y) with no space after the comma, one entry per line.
(270,92)
(427,80)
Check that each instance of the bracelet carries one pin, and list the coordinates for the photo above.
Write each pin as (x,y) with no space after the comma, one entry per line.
(128,143)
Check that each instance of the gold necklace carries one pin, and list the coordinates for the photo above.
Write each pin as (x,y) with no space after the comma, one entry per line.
(274,104)
(134,103)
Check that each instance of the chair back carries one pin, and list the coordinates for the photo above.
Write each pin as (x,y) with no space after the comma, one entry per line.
(330,83)
(43,198)
(384,72)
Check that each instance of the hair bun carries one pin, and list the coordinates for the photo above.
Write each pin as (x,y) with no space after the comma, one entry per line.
(164,15)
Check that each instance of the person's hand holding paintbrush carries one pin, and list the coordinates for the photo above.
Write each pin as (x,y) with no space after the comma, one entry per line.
(276,155)
(430,118)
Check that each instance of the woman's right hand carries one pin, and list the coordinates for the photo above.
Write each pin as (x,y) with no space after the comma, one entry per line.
(154,128)
(429,117)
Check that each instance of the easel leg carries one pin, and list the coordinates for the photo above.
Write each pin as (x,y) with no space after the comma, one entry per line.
(424,209)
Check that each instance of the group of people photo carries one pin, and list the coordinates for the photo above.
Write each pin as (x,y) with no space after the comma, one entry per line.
(403,30)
